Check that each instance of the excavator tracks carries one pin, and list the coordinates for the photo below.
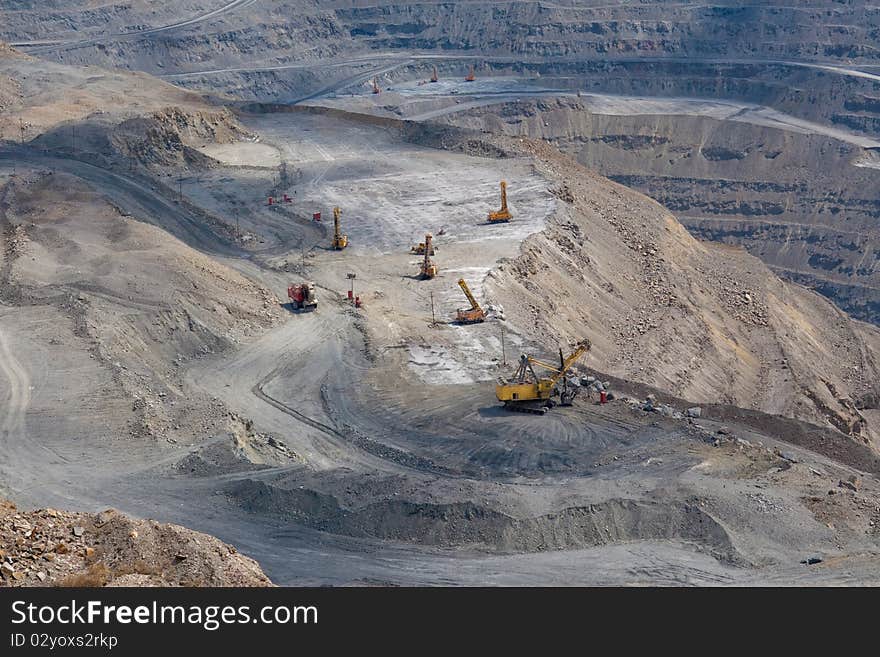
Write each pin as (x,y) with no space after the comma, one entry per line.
(532,410)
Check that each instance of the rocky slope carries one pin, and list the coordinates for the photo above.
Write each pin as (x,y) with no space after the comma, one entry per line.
(114,118)
(45,547)
(144,302)
(132,299)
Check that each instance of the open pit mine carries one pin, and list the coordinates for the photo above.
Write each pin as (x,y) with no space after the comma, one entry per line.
(439,293)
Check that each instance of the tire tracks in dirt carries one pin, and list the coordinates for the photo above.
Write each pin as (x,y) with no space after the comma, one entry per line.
(47,45)
(135,197)
(17,397)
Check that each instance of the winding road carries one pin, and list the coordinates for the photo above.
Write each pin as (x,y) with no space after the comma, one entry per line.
(50,45)
(135,197)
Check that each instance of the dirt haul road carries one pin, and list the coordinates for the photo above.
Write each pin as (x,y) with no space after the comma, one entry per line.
(16,400)
(136,197)
(50,45)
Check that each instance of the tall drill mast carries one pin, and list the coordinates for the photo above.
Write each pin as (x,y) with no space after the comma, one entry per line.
(340,241)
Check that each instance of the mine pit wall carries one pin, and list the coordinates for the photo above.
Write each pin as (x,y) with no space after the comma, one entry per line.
(845,101)
(464,524)
(731,182)
(813,94)
(603,45)
(824,30)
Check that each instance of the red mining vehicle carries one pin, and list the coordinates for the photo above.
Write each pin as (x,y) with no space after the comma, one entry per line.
(302,296)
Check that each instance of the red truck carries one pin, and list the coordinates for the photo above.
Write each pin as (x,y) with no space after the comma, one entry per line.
(302,296)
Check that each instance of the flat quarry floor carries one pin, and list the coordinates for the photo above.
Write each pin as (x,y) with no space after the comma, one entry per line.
(390,192)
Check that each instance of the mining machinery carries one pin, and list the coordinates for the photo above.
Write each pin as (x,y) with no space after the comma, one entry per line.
(376,88)
(340,241)
(471,76)
(471,315)
(428,268)
(419,249)
(503,215)
(526,392)
(302,296)
(434,77)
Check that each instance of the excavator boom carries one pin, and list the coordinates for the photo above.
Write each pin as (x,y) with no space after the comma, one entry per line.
(580,349)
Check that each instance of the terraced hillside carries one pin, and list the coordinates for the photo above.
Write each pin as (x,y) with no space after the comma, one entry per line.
(148,362)
(255,47)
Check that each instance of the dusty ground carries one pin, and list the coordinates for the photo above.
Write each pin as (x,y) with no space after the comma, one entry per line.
(145,348)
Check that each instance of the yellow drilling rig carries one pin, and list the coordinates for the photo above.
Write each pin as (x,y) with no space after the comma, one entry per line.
(340,241)
(471,315)
(526,392)
(428,268)
(503,215)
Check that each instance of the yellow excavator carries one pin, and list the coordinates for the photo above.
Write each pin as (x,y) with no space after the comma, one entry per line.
(503,215)
(526,392)
(340,241)
(471,315)
(428,268)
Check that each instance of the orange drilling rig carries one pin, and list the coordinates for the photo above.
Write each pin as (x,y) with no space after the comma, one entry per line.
(503,215)
(376,88)
(471,76)
(434,77)
(428,268)
(475,313)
